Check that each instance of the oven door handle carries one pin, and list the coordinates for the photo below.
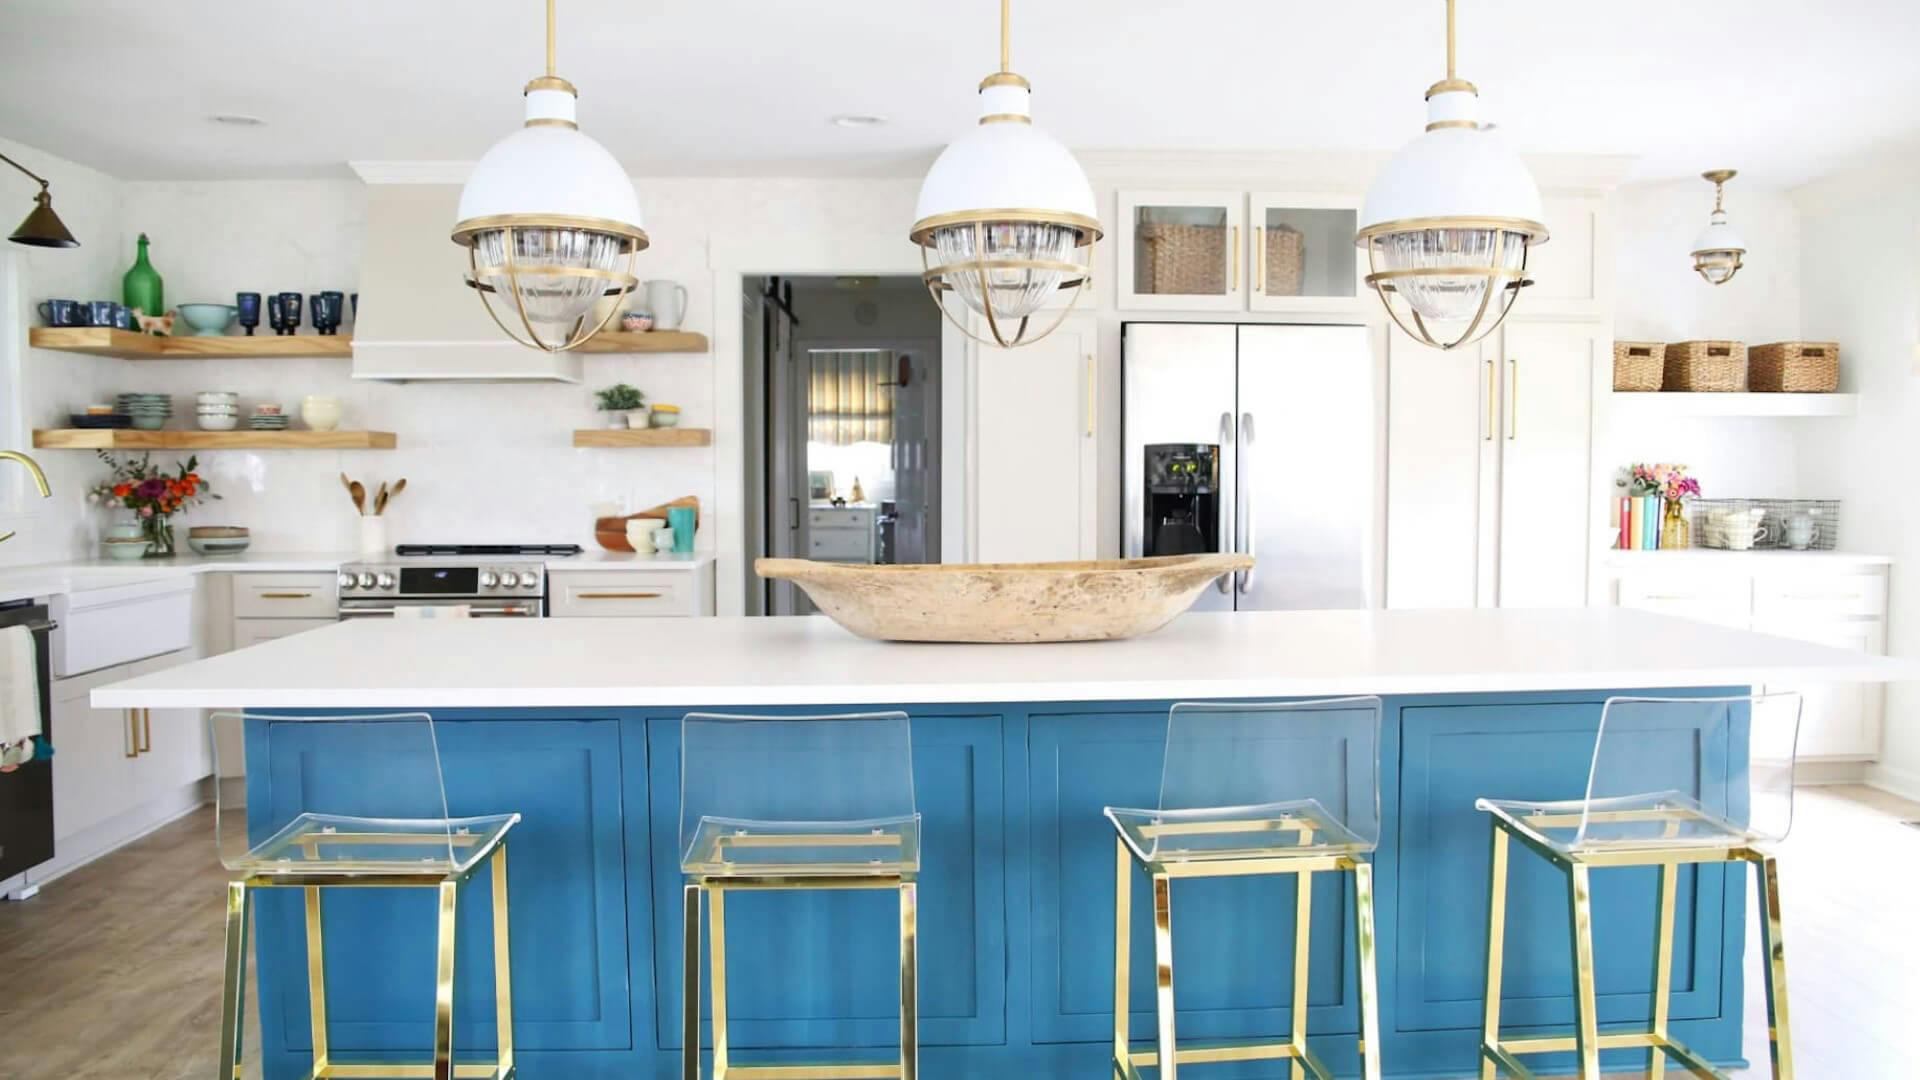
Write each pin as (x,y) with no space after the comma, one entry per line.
(472,612)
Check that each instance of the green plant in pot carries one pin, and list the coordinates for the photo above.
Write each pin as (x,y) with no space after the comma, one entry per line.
(617,401)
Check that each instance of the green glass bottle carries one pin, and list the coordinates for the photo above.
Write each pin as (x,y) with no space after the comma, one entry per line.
(141,286)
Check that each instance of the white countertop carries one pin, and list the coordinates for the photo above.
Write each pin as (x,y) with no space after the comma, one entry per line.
(758,662)
(47,579)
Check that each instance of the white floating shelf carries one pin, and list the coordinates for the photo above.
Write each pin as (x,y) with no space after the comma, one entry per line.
(1673,403)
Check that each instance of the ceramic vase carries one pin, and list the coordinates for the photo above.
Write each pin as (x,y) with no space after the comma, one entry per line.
(1675,533)
(158,530)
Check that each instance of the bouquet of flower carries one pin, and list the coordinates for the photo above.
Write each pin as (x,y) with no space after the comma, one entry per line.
(1670,482)
(152,493)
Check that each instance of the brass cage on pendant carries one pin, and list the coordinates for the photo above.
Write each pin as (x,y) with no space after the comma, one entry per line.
(520,324)
(940,280)
(1496,300)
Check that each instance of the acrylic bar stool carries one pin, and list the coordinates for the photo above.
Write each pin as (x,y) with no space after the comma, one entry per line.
(1621,823)
(1246,789)
(419,846)
(795,802)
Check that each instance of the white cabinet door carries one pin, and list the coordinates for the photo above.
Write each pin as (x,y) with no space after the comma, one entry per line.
(254,631)
(1035,449)
(93,770)
(1301,254)
(1439,436)
(1837,720)
(1182,251)
(1572,271)
(1545,440)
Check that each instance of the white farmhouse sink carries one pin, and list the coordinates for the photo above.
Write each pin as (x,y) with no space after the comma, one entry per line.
(100,628)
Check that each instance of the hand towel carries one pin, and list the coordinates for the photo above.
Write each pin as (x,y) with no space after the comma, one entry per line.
(19,695)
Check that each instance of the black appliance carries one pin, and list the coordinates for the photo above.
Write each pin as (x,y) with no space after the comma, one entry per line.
(26,794)
(1182,499)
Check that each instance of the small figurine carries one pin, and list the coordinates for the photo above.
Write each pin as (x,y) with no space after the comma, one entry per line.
(158,325)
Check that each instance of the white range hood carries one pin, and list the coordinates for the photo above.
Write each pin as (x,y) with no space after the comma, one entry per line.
(418,320)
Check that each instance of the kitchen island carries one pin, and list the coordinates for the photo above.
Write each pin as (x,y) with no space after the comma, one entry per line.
(575,725)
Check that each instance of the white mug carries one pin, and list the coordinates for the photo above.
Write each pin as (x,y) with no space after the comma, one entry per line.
(640,532)
(1744,541)
(667,301)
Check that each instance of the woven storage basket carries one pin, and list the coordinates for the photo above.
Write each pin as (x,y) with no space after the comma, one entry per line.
(1286,261)
(1182,260)
(1717,366)
(1638,365)
(1795,367)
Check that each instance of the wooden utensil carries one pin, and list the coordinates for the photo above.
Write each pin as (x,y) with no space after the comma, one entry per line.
(380,500)
(359,497)
(611,532)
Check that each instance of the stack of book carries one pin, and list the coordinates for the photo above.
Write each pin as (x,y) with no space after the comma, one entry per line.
(1640,522)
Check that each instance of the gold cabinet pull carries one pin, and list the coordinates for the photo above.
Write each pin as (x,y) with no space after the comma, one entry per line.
(1235,255)
(1493,403)
(1513,399)
(619,595)
(286,596)
(1260,261)
(1092,404)
(146,731)
(133,732)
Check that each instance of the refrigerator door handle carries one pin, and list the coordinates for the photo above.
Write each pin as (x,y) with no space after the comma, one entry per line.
(1244,514)
(1225,581)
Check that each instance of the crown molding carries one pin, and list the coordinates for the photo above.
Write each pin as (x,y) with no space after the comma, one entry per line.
(1328,169)
(412,172)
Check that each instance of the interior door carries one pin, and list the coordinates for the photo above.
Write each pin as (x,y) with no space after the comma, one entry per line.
(1545,449)
(1177,386)
(1440,417)
(1035,475)
(915,455)
(1307,477)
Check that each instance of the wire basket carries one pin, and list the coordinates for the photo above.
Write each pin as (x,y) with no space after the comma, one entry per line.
(1720,523)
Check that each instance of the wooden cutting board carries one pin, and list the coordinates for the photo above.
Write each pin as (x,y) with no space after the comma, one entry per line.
(611,532)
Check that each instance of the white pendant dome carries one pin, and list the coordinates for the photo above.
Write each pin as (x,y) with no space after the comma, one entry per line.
(1007,164)
(1718,236)
(550,169)
(1458,170)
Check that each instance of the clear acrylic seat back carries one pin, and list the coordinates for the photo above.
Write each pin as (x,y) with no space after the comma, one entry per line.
(826,794)
(1248,778)
(1634,741)
(395,790)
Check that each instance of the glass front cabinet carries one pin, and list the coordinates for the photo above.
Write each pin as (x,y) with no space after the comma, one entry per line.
(1235,251)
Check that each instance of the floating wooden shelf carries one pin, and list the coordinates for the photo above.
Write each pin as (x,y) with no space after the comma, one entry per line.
(127,345)
(1697,403)
(649,341)
(660,436)
(131,439)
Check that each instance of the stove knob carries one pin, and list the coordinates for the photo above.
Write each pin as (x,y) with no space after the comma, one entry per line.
(347,581)
(488,579)
(367,580)
(386,581)
(509,579)
(529,580)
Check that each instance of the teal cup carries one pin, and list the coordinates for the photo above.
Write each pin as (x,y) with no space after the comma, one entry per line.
(680,518)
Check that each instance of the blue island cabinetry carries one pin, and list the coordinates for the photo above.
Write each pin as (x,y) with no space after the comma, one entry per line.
(1016,900)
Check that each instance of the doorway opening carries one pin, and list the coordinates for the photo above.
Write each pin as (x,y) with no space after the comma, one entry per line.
(842,388)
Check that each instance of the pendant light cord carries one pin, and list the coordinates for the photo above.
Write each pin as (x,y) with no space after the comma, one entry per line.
(1006,34)
(550,37)
(1450,50)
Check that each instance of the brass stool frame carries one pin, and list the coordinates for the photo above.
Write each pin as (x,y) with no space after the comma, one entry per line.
(1499,1054)
(1127,1061)
(240,906)
(729,876)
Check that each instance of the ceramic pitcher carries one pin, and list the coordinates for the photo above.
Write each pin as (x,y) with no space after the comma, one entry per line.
(667,301)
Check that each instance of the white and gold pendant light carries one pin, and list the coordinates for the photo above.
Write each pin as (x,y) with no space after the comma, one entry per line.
(551,224)
(1006,218)
(1718,251)
(1449,222)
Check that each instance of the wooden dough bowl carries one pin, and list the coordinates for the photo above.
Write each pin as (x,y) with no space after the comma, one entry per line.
(1006,602)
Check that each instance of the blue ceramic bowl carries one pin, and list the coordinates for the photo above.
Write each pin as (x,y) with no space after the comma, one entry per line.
(207,320)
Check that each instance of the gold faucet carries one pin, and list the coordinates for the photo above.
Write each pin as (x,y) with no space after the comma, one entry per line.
(32,466)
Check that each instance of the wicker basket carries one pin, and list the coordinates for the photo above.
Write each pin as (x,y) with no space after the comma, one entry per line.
(1286,261)
(1638,365)
(1795,367)
(1181,260)
(1714,366)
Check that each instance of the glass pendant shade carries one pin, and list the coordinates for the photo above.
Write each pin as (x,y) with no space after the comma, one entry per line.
(1718,252)
(1449,222)
(551,224)
(1006,220)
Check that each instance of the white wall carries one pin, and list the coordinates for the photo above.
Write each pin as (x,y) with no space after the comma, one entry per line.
(1860,273)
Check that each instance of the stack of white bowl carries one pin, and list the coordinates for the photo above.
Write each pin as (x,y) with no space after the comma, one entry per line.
(219,410)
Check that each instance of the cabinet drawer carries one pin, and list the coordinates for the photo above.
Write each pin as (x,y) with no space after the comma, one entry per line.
(1727,601)
(285,596)
(840,544)
(840,519)
(1819,595)
(624,594)
(254,631)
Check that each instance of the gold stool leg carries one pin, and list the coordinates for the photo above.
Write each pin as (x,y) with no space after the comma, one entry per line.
(316,980)
(690,985)
(233,1000)
(502,968)
(1302,958)
(1586,1005)
(1663,966)
(717,976)
(1163,971)
(909,981)
(1122,953)
(1369,972)
(1767,871)
(443,989)
(1496,952)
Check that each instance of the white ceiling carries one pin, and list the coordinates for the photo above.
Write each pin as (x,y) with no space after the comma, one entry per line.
(1781,89)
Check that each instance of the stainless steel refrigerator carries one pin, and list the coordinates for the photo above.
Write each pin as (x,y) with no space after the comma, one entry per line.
(1294,412)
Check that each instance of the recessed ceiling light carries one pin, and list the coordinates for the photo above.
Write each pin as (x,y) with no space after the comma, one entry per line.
(858,120)
(237,120)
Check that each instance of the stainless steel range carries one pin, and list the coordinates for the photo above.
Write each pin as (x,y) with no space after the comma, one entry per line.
(492,581)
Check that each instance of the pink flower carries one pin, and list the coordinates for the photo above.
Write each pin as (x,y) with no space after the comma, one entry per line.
(146,511)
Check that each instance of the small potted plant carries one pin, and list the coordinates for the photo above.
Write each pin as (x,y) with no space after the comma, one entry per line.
(617,401)
(154,495)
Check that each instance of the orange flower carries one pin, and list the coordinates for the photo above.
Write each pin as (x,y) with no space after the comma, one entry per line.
(121,491)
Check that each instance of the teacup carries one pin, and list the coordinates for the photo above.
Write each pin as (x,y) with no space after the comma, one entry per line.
(61,313)
(640,534)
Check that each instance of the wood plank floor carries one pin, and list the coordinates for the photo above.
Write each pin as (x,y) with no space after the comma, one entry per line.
(113,973)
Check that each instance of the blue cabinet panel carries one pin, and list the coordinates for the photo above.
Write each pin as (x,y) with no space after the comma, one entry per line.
(811,969)
(1453,754)
(570,945)
(1233,938)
